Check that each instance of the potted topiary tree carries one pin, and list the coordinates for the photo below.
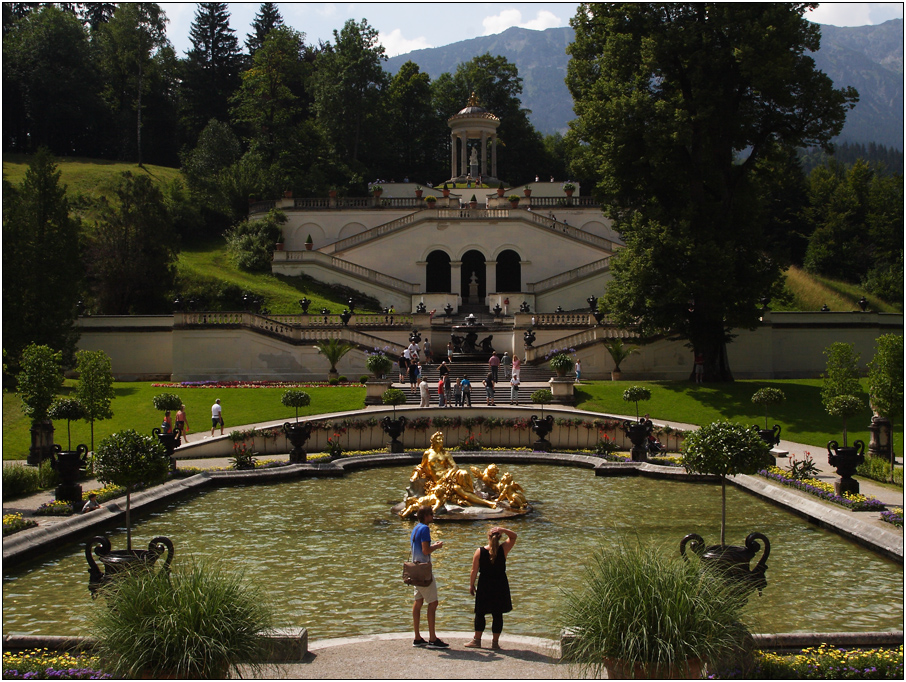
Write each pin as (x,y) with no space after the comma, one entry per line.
(68,463)
(473,202)
(639,430)
(394,427)
(195,623)
(561,361)
(542,426)
(309,243)
(128,458)
(37,383)
(333,350)
(500,190)
(768,397)
(297,433)
(727,449)
(618,353)
(642,614)
(847,458)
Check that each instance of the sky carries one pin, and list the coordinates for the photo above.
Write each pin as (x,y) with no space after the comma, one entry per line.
(404,27)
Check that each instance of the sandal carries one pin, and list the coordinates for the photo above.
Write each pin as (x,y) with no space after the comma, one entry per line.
(473,644)
(496,646)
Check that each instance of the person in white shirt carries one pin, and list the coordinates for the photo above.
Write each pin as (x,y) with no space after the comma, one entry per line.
(216,417)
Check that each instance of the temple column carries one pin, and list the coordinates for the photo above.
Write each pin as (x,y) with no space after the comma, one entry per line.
(494,156)
(490,277)
(484,154)
(452,156)
(456,277)
(465,154)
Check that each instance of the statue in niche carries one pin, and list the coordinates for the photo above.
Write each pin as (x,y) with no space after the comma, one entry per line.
(473,157)
(474,278)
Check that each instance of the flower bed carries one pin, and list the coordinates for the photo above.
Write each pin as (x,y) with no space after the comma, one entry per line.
(54,508)
(13,523)
(825,663)
(252,384)
(41,664)
(893,516)
(823,490)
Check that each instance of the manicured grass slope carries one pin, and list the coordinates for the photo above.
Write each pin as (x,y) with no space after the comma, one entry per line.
(132,409)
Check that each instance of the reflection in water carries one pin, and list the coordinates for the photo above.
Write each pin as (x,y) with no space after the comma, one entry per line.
(335,566)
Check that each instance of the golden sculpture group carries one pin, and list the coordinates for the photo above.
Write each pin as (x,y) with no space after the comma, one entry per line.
(437,480)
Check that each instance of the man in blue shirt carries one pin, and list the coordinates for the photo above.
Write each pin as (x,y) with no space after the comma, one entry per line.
(421,551)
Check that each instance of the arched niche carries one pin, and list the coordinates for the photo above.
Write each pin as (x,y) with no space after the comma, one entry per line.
(437,273)
(473,261)
(351,229)
(300,234)
(509,271)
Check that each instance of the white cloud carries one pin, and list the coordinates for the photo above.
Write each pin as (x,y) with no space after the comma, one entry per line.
(513,17)
(854,13)
(395,44)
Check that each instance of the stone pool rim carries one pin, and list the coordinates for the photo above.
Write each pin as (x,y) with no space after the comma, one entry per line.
(29,544)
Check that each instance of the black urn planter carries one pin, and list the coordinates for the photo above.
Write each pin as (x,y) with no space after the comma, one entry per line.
(298,434)
(638,433)
(170,441)
(69,464)
(394,428)
(118,561)
(770,436)
(542,427)
(732,560)
(845,460)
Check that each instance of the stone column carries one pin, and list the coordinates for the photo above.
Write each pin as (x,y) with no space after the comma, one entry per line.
(464,154)
(484,154)
(453,155)
(456,277)
(490,277)
(423,268)
(494,156)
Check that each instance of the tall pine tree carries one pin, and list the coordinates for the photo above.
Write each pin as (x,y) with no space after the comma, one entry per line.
(211,70)
(267,19)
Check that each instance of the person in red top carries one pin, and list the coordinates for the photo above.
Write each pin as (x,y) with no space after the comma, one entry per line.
(441,401)
(494,363)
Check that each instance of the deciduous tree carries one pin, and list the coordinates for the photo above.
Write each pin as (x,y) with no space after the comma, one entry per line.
(95,387)
(676,104)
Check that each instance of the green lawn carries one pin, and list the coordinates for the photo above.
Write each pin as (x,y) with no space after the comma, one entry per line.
(132,409)
(801,417)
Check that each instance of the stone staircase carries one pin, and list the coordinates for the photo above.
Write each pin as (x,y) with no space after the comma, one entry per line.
(531,377)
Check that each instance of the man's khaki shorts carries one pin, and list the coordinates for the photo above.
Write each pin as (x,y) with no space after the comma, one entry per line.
(428,593)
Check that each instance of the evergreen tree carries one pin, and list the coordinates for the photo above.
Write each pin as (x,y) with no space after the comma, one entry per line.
(42,273)
(95,14)
(211,70)
(676,104)
(267,19)
(415,130)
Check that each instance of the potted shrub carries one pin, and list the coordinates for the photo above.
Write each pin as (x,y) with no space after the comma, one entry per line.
(430,201)
(642,613)
(128,458)
(192,624)
(514,200)
(309,243)
(618,352)
(569,188)
(527,191)
(473,202)
(297,433)
(418,191)
(332,193)
(636,394)
(377,191)
(639,430)
(500,190)
(767,397)
(445,190)
(561,361)
(394,427)
(333,350)
(378,363)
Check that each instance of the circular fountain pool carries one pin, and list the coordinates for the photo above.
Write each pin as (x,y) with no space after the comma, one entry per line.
(329,553)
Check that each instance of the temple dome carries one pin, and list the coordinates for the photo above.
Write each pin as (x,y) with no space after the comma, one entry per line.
(474,110)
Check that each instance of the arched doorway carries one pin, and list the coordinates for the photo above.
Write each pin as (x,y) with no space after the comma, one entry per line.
(473,261)
(509,271)
(437,275)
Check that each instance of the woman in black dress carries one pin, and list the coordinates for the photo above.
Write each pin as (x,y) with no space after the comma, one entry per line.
(493,593)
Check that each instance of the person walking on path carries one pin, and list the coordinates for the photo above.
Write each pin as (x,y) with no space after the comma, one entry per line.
(182,423)
(578,370)
(517,365)
(216,417)
(423,392)
(514,390)
(466,391)
(494,364)
(441,398)
(489,389)
(493,591)
(505,361)
(422,549)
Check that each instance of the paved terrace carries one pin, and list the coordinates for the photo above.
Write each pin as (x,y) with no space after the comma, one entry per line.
(391,655)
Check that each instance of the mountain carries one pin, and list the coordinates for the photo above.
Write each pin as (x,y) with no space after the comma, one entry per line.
(870,58)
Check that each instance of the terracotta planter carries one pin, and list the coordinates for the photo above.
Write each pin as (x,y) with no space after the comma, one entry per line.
(569,192)
(527,192)
(473,204)
(446,193)
(378,194)
(332,194)
(431,204)
(500,192)
(308,246)
(279,246)
(418,193)
(514,204)
(615,375)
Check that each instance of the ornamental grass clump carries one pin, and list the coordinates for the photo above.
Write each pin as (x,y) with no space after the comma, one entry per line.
(644,608)
(195,623)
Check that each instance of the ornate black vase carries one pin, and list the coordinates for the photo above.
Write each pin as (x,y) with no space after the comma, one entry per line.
(171,441)
(733,561)
(394,428)
(298,434)
(845,460)
(69,464)
(118,561)
(770,436)
(542,427)
(638,433)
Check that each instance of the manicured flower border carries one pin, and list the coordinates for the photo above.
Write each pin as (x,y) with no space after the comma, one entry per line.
(255,384)
(13,523)
(54,508)
(893,516)
(823,490)
(41,664)
(823,663)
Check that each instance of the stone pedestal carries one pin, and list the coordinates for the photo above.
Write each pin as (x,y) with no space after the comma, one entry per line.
(41,442)
(846,485)
(374,389)
(562,390)
(879,442)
